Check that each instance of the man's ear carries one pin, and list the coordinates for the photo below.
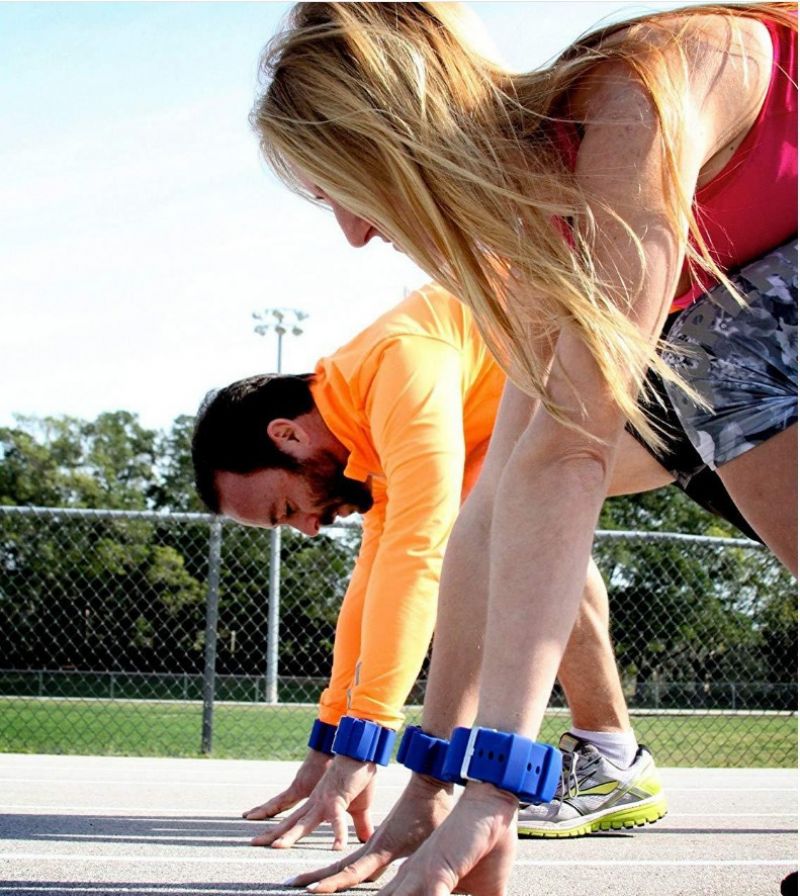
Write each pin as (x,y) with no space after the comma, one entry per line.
(289,436)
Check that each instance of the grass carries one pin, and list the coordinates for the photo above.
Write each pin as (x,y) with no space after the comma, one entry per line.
(141,728)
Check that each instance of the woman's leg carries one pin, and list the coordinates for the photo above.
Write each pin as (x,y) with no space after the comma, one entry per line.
(742,360)
(763,485)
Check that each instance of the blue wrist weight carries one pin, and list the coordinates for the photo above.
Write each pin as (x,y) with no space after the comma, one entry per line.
(363,740)
(423,753)
(321,737)
(526,768)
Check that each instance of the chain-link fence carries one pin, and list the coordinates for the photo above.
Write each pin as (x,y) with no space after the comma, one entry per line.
(144,633)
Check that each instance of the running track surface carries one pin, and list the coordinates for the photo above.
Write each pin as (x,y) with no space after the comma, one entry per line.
(109,826)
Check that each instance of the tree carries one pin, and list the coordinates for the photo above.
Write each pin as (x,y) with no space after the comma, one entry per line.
(65,462)
(704,615)
(107,593)
(96,593)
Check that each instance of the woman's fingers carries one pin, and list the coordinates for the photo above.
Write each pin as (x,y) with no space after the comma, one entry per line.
(346,874)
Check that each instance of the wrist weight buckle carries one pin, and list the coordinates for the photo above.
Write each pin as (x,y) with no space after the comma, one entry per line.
(469,751)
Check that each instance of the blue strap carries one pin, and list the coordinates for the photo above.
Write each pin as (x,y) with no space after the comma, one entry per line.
(524,767)
(364,741)
(321,737)
(423,753)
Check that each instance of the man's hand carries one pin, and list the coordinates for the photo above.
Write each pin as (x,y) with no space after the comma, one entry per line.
(471,852)
(306,779)
(347,786)
(422,807)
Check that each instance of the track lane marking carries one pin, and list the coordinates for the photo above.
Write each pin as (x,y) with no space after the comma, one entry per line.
(268,857)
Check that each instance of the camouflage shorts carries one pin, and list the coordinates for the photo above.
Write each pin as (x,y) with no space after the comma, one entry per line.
(742,360)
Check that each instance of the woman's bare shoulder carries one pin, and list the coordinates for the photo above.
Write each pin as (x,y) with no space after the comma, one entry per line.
(724,62)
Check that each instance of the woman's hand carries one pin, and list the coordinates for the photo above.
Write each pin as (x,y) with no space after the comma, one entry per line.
(422,807)
(347,787)
(472,852)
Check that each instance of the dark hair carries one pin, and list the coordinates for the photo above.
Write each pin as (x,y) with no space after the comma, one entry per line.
(230,430)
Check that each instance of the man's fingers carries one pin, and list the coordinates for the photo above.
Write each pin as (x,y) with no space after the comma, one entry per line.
(272,834)
(362,824)
(296,832)
(262,812)
(339,825)
(273,807)
(263,839)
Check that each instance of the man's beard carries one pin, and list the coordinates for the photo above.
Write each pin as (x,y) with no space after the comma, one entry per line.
(331,489)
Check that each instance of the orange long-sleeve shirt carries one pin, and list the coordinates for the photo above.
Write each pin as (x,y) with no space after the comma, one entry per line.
(413,398)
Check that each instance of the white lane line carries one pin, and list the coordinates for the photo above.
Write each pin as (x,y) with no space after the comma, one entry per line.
(207,785)
(656,863)
(127,782)
(268,858)
(732,814)
(178,837)
(740,790)
(62,889)
(233,816)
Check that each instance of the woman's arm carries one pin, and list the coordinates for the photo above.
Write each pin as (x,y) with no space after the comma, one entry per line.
(552,489)
(553,486)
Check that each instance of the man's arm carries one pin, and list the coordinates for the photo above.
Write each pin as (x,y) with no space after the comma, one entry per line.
(347,642)
(333,701)
(416,414)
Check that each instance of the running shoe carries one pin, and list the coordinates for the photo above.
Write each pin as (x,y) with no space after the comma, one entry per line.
(596,795)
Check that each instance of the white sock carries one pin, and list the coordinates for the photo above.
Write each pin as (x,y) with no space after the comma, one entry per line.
(618,747)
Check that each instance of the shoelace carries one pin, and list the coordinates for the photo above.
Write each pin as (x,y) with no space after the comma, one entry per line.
(569,778)
(570,785)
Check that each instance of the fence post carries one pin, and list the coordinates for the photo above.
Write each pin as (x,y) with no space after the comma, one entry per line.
(212,608)
(273,615)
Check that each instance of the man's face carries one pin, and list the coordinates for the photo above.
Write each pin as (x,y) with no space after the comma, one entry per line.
(306,499)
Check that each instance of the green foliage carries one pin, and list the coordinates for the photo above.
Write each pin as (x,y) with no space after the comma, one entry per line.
(64,462)
(129,594)
(174,489)
(703,615)
(663,510)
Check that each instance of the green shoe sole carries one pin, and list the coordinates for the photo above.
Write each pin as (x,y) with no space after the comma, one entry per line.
(636,816)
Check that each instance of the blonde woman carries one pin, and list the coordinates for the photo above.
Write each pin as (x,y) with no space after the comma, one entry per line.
(590,214)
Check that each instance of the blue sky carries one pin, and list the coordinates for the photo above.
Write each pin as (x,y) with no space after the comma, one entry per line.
(139,228)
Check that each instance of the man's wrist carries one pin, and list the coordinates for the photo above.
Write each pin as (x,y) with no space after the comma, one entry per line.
(322,737)
(363,740)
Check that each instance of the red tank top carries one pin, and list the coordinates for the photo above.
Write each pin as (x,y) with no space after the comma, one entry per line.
(750,207)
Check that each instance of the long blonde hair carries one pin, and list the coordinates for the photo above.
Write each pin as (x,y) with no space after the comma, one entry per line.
(391,110)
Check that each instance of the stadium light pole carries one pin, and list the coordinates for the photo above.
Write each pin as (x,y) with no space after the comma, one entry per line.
(282,322)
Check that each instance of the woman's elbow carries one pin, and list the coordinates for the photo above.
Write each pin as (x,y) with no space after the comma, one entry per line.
(565,457)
